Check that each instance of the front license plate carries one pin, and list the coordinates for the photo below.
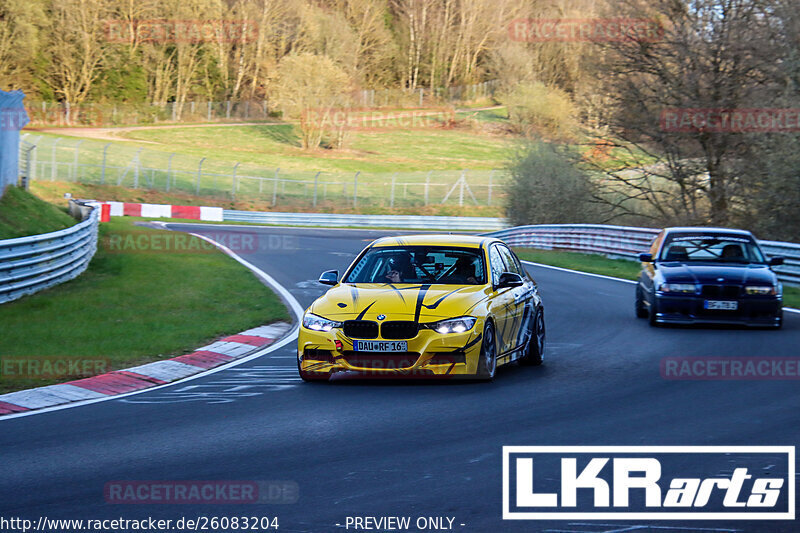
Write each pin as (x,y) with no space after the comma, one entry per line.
(380,346)
(721,305)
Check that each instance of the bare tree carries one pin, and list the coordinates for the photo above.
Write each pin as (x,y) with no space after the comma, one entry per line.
(76,48)
(309,87)
(19,40)
(712,55)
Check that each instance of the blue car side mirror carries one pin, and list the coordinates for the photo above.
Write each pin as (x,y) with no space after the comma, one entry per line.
(646,258)
(776,261)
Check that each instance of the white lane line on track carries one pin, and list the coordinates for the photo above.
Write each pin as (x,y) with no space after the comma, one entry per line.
(293,304)
(789,309)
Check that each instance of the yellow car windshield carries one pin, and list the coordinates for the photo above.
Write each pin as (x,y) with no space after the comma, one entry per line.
(420,264)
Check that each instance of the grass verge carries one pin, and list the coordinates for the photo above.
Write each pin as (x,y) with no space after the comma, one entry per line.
(23,214)
(618,268)
(135,307)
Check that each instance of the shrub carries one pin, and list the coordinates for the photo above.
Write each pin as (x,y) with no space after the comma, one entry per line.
(535,109)
(548,187)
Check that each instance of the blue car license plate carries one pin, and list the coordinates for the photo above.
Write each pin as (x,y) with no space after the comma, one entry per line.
(721,305)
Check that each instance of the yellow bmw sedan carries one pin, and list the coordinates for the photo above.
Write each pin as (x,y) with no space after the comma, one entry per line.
(424,306)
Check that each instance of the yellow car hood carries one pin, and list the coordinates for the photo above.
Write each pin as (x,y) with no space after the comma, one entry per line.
(399,301)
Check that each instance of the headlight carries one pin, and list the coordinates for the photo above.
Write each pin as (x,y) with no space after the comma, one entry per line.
(317,323)
(453,325)
(678,287)
(761,290)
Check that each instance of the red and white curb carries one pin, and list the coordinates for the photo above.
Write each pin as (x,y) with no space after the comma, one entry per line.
(145,376)
(191,212)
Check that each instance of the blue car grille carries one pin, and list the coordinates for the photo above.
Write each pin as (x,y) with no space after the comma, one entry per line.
(721,291)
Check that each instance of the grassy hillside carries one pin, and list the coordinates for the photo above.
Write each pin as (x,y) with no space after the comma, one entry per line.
(23,214)
(136,305)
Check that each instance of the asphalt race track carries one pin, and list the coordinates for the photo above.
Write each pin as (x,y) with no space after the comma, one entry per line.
(358,448)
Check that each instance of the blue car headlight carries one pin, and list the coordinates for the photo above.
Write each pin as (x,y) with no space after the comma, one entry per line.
(678,287)
(761,290)
(318,323)
(453,325)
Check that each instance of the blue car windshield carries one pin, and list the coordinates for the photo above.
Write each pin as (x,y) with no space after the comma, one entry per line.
(711,249)
(420,264)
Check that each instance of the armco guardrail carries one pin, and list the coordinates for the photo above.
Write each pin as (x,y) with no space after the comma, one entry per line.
(624,242)
(31,264)
(790,270)
(619,241)
(366,221)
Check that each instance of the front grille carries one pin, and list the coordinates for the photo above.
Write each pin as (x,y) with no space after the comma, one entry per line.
(400,329)
(378,361)
(361,329)
(720,291)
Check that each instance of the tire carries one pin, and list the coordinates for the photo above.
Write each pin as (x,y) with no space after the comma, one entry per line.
(534,352)
(312,376)
(487,361)
(641,309)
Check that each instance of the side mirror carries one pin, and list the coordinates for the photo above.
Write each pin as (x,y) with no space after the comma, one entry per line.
(646,258)
(329,277)
(776,261)
(510,279)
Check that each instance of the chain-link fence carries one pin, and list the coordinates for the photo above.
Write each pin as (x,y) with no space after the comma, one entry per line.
(99,114)
(96,162)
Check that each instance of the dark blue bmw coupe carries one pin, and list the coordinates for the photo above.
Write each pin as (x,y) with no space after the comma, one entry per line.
(708,275)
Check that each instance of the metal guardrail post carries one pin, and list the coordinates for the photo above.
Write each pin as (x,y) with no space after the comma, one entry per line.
(427,185)
(75,163)
(53,160)
(169,170)
(489,199)
(199,175)
(103,171)
(136,168)
(275,188)
(233,188)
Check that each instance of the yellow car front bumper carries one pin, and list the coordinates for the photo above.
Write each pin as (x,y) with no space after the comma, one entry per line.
(429,354)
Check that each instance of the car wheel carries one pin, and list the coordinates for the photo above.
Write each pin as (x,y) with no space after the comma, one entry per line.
(651,315)
(641,309)
(487,362)
(534,352)
(311,376)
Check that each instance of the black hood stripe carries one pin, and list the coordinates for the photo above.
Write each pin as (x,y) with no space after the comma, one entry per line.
(420,298)
(364,312)
(435,304)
